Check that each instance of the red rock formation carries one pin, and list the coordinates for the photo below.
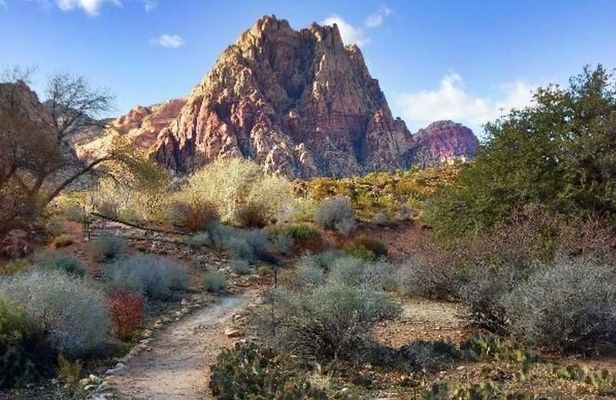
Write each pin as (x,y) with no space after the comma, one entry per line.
(443,142)
(299,103)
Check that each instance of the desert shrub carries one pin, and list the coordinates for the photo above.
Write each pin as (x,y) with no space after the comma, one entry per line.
(359,251)
(249,245)
(327,258)
(62,262)
(329,322)
(420,355)
(190,213)
(303,236)
(69,371)
(70,310)
(336,213)
(235,184)
(199,240)
(156,277)
(251,372)
(375,245)
(264,271)
(24,356)
(381,218)
(282,244)
(63,240)
(213,282)
(382,275)
(107,248)
(240,267)
(347,270)
(430,278)
(483,291)
(569,307)
(15,267)
(54,227)
(125,312)
(251,216)
(305,276)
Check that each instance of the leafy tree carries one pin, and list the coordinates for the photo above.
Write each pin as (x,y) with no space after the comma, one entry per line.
(558,154)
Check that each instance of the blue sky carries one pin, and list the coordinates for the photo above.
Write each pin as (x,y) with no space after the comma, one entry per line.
(462,60)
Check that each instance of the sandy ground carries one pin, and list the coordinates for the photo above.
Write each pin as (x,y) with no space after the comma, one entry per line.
(177,366)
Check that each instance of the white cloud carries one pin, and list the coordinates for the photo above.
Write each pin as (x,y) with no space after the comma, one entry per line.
(90,7)
(149,5)
(169,41)
(377,18)
(350,34)
(452,101)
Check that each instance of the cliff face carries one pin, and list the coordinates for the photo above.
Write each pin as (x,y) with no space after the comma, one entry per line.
(299,103)
(443,142)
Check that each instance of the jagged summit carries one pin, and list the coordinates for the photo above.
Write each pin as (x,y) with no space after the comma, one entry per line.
(298,102)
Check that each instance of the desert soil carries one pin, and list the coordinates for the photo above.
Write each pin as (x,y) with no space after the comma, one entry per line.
(177,366)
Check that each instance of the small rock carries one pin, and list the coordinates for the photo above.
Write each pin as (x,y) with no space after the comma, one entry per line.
(232,333)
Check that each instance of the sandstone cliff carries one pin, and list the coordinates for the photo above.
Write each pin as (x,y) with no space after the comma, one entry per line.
(443,142)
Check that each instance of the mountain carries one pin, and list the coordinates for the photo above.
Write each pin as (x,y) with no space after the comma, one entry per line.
(299,103)
(443,142)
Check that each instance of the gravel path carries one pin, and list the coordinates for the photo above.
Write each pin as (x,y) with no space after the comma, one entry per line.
(177,366)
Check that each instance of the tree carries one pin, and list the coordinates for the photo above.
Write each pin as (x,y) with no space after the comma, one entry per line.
(37,161)
(558,154)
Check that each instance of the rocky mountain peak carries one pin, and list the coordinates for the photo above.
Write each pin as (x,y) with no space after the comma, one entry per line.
(298,102)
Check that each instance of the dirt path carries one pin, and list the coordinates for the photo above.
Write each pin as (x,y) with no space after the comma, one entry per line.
(177,367)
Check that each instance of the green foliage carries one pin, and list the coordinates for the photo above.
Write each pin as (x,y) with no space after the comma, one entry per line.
(336,213)
(395,195)
(107,248)
(70,310)
(248,372)
(570,307)
(15,267)
(63,262)
(240,191)
(602,380)
(213,282)
(373,248)
(69,371)
(328,322)
(199,240)
(241,244)
(302,236)
(557,155)
(240,267)
(191,213)
(24,358)
(153,276)
(63,240)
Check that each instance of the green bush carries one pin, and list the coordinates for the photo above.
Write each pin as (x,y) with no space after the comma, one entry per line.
(63,240)
(153,276)
(250,372)
(303,235)
(107,248)
(241,244)
(376,246)
(63,262)
(199,240)
(24,357)
(239,189)
(15,267)
(556,155)
(240,267)
(213,282)
(336,213)
(570,307)
(70,310)
(359,251)
(329,322)
(190,213)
